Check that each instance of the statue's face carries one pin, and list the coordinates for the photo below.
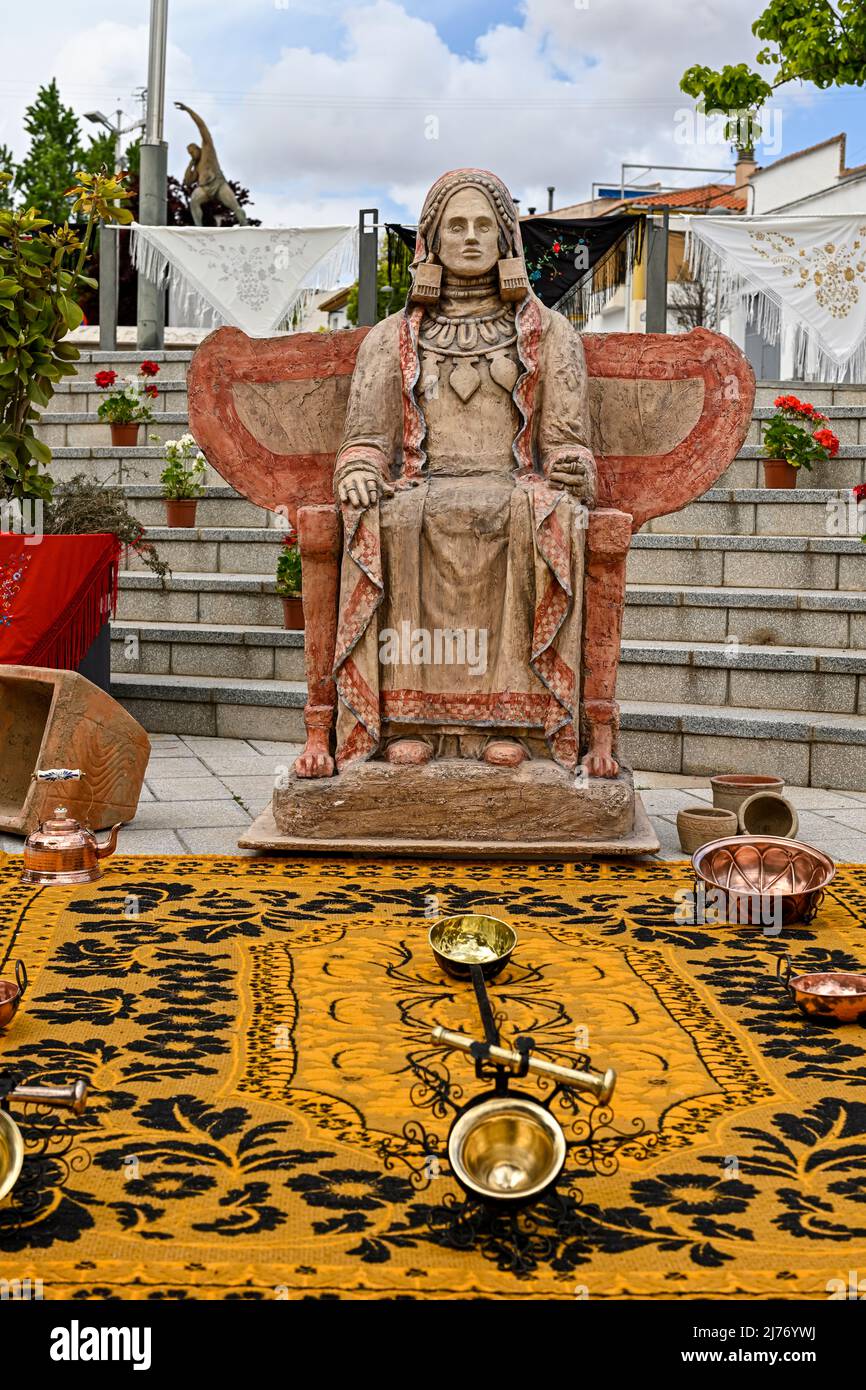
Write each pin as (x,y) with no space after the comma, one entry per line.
(468,234)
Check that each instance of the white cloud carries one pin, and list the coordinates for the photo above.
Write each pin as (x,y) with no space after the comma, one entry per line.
(562,97)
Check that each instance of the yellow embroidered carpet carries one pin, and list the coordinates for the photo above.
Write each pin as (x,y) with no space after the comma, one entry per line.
(262,1124)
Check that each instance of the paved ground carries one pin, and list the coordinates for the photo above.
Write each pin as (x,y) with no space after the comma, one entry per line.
(201,792)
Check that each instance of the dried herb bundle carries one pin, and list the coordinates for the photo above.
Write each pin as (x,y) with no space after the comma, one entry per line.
(84,505)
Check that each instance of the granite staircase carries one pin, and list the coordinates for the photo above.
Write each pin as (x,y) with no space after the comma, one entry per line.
(745,627)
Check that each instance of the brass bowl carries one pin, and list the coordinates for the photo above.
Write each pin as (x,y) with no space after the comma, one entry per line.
(11,994)
(11,1153)
(827,994)
(506,1149)
(751,868)
(472,939)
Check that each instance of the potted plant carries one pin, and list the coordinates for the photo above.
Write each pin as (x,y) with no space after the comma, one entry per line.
(128,405)
(62,566)
(791,441)
(182,480)
(289,582)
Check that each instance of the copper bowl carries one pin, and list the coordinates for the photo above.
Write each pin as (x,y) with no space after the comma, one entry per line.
(765,878)
(825,995)
(472,939)
(506,1149)
(11,994)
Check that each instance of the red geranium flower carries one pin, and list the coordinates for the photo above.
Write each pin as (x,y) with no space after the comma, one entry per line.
(152,391)
(149,368)
(105,379)
(859,491)
(556,246)
(828,440)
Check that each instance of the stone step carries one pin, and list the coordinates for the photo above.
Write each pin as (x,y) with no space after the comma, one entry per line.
(805,748)
(84,429)
(819,393)
(782,617)
(748,562)
(245,599)
(80,397)
(740,511)
(802,511)
(844,471)
(820,679)
(214,706)
(206,649)
(214,549)
(173,363)
(217,507)
(840,473)
(140,465)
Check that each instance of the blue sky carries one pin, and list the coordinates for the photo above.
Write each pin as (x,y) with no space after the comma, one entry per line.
(321,106)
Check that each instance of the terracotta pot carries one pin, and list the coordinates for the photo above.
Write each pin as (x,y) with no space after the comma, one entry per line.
(293,613)
(699,825)
(767,813)
(731,789)
(180,511)
(126,436)
(779,473)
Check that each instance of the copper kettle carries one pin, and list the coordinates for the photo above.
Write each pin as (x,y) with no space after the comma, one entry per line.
(61,850)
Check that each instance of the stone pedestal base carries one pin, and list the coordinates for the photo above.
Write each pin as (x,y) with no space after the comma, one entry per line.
(456,808)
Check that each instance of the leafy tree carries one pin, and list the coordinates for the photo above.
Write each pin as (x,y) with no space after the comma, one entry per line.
(7,166)
(805,41)
(56,154)
(42,273)
(737,92)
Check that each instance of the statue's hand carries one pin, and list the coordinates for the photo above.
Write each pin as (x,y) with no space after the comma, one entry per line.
(579,476)
(363,487)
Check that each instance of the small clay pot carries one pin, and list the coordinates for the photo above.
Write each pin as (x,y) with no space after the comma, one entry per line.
(293,613)
(731,789)
(699,825)
(180,511)
(779,473)
(767,813)
(126,436)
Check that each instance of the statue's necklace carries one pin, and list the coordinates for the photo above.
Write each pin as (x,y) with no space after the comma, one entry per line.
(465,339)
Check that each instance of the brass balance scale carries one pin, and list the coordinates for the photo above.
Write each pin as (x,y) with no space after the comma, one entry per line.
(506,1148)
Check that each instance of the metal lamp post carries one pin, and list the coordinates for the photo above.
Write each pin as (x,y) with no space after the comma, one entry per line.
(118,130)
(154,170)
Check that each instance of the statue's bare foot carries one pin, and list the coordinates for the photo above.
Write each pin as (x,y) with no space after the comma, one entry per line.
(504,752)
(316,760)
(408,752)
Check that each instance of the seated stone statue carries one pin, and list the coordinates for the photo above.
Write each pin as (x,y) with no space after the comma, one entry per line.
(464,477)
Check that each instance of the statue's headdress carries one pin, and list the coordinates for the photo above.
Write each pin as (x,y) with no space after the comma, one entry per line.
(425,268)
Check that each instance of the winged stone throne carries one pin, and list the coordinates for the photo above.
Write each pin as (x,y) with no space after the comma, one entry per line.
(465,478)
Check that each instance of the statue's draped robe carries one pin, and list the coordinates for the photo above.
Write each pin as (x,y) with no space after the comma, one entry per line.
(474,539)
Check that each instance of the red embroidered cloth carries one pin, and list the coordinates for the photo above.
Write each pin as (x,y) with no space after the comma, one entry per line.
(55,594)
